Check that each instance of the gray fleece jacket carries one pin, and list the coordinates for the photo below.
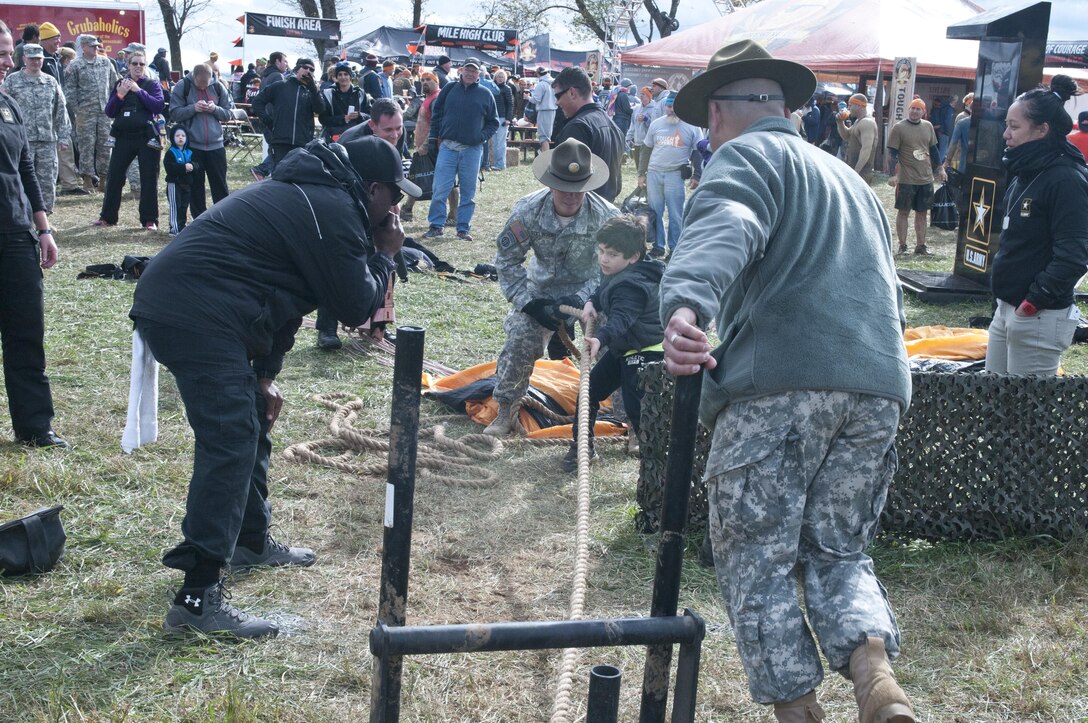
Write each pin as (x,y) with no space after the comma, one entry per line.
(790,252)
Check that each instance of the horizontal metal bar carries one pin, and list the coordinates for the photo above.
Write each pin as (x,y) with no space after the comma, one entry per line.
(440,639)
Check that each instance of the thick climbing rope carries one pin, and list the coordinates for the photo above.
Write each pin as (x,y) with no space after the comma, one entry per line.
(457,458)
(563,708)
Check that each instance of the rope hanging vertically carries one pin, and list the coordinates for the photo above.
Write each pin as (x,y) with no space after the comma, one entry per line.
(563,707)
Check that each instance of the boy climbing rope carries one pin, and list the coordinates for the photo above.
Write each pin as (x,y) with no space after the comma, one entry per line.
(629,296)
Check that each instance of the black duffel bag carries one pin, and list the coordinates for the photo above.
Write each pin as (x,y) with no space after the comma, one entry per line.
(32,544)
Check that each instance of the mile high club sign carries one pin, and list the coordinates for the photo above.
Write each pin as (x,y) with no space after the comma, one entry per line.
(452,36)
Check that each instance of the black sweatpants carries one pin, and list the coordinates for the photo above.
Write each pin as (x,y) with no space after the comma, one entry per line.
(177,204)
(228,492)
(127,148)
(212,164)
(612,372)
(22,335)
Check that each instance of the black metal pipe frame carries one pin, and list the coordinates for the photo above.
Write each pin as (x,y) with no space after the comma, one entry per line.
(603,705)
(670,550)
(386,640)
(399,501)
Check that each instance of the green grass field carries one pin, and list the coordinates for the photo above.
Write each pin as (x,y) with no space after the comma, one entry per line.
(992,632)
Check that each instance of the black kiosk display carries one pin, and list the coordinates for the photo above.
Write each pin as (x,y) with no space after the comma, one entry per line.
(1012,49)
(1012,45)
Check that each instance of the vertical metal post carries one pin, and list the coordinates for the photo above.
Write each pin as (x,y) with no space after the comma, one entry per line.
(604,694)
(670,550)
(687,676)
(399,498)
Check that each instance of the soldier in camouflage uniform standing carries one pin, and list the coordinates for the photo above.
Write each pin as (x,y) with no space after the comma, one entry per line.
(42,102)
(88,81)
(804,398)
(559,225)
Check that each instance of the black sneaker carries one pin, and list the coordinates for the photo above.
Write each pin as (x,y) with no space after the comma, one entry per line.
(209,611)
(657,253)
(433,232)
(328,340)
(77,191)
(570,461)
(276,554)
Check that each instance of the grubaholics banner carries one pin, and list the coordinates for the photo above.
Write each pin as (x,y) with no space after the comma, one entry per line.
(452,36)
(903,77)
(288,26)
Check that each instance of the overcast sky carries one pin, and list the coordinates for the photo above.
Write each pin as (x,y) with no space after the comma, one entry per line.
(221,27)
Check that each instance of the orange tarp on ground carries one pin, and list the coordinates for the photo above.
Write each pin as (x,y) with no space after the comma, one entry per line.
(557,379)
(942,342)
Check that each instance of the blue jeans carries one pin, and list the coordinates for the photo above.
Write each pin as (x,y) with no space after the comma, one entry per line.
(498,147)
(665,189)
(465,167)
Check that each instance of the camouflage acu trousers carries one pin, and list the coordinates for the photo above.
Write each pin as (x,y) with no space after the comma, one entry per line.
(525,343)
(43,154)
(91,132)
(796,483)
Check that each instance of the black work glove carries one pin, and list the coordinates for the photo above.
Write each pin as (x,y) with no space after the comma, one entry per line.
(572,300)
(543,312)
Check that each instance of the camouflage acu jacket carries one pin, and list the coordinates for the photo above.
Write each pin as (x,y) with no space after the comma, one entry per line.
(42,102)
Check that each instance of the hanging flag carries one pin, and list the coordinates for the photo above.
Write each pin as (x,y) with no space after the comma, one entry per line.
(238,42)
(241,19)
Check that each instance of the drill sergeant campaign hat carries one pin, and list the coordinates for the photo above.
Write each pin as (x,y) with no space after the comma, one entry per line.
(571,166)
(739,61)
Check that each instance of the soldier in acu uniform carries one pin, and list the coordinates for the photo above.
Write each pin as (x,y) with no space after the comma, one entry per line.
(804,399)
(88,81)
(42,102)
(559,225)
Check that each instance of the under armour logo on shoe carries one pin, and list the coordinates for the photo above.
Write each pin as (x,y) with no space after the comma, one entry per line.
(192,601)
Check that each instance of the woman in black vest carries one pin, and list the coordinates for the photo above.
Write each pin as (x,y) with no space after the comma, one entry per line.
(134,103)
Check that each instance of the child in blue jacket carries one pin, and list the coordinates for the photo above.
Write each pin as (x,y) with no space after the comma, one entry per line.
(179,165)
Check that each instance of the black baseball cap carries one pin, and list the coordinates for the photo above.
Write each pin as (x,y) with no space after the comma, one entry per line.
(1082,121)
(376,159)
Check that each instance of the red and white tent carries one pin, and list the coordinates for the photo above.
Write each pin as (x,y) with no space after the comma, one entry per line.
(847,37)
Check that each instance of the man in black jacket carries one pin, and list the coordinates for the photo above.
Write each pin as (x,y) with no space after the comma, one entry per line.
(273,72)
(220,306)
(288,110)
(589,124)
(162,66)
(345,104)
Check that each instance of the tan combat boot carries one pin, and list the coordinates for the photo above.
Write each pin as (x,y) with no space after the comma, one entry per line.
(88,185)
(506,421)
(879,697)
(803,710)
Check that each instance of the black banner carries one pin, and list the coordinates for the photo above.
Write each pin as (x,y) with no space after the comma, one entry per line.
(451,36)
(288,26)
(1067,53)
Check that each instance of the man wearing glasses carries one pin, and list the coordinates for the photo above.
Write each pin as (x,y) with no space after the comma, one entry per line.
(288,110)
(321,231)
(586,122)
(463,118)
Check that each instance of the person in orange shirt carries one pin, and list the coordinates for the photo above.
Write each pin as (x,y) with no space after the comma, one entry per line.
(1079,136)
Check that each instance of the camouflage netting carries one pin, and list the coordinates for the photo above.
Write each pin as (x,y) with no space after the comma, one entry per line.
(980,457)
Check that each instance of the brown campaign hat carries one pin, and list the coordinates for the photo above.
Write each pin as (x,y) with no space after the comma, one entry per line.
(739,61)
(571,166)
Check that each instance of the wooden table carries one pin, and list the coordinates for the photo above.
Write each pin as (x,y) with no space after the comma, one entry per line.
(524,137)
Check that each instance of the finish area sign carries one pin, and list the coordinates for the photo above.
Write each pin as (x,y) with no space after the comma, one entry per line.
(287,26)
(451,36)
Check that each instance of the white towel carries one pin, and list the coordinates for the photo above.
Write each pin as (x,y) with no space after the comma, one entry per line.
(142,425)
